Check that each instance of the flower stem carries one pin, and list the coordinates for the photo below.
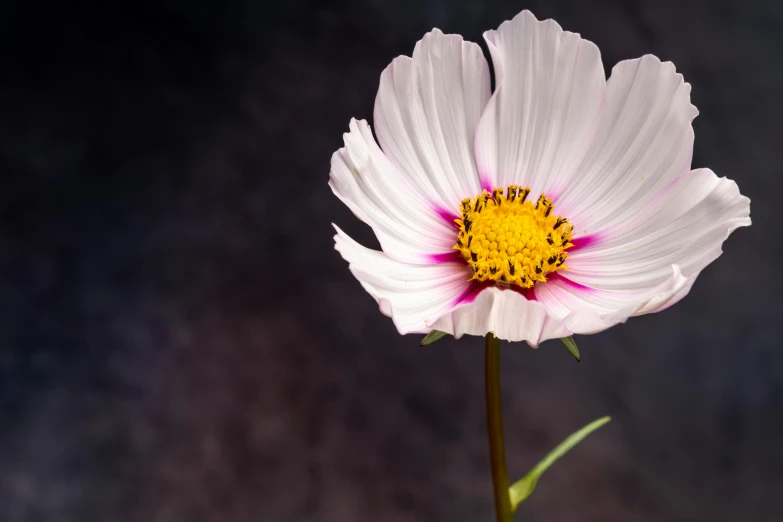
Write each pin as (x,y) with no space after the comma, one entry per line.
(497,448)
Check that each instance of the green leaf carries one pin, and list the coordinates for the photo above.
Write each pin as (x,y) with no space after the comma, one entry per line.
(524,487)
(433,336)
(571,345)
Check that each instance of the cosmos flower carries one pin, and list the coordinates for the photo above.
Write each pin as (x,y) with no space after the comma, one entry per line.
(561,203)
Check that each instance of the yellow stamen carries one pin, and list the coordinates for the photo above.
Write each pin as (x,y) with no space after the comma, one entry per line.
(507,239)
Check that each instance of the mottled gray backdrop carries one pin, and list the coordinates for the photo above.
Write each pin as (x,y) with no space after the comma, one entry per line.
(180,342)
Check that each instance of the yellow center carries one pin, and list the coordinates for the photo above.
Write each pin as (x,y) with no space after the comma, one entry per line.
(506,239)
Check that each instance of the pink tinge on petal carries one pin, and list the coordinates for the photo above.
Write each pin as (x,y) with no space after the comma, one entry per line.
(476,287)
(472,291)
(447,257)
(447,216)
(527,293)
(555,276)
(489,308)
(584,242)
(486,183)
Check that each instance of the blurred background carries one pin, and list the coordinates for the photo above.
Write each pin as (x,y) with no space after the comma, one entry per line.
(180,342)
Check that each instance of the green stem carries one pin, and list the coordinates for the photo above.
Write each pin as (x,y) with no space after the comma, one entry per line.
(497,448)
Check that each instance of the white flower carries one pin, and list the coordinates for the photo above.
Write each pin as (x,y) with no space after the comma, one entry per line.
(561,203)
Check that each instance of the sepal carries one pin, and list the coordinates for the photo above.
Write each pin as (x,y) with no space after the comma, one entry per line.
(433,336)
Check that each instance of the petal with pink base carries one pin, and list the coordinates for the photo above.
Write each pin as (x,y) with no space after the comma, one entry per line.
(384,198)
(506,313)
(542,115)
(414,296)
(685,225)
(426,113)
(644,141)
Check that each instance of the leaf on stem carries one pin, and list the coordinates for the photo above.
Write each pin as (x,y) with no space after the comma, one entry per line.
(435,335)
(571,345)
(524,487)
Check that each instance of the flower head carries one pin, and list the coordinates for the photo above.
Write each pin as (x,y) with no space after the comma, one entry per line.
(560,203)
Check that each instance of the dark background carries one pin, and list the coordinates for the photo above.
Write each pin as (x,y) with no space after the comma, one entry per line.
(180,342)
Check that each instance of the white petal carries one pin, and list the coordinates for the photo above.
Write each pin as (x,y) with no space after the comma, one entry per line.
(684,225)
(414,296)
(643,142)
(507,314)
(559,310)
(652,260)
(407,226)
(586,310)
(426,113)
(542,116)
